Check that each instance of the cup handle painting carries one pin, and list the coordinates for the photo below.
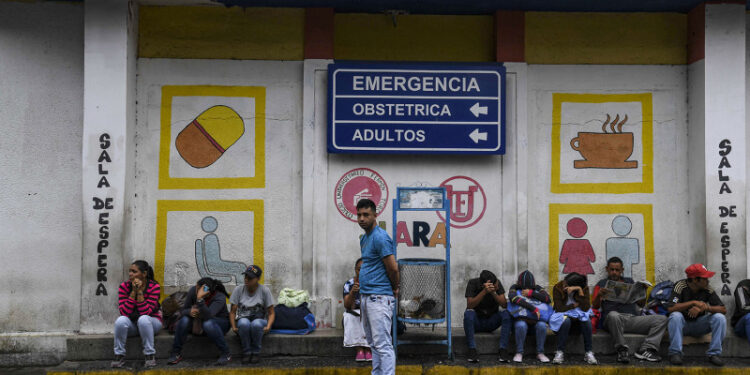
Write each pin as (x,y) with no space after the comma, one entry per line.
(574,143)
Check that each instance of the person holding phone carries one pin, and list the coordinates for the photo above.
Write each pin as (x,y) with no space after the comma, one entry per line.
(354,332)
(204,313)
(138,301)
(252,313)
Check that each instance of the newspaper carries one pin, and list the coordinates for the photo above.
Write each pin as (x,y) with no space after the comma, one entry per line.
(625,292)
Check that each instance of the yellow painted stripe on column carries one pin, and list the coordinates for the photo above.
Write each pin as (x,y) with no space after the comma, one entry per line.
(414,37)
(606,38)
(217,32)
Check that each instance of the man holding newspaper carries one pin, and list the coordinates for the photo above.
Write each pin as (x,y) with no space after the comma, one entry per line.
(619,299)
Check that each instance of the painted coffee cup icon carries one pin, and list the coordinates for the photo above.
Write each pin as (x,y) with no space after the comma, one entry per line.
(605,150)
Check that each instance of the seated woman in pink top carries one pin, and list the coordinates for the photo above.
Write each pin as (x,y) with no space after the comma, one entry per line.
(138,299)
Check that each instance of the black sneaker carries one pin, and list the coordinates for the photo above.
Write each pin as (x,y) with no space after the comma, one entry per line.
(716,360)
(675,359)
(118,362)
(623,355)
(472,357)
(648,355)
(174,358)
(223,359)
(246,358)
(255,358)
(502,356)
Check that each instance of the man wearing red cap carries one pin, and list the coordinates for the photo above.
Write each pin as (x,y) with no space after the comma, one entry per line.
(695,310)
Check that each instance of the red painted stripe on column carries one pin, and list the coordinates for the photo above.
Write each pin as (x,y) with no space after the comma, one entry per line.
(696,38)
(510,36)
(319,33)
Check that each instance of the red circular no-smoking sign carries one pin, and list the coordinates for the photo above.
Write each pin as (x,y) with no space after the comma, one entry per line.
(359,183)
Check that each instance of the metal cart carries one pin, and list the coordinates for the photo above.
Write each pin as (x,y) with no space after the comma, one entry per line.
(424,295)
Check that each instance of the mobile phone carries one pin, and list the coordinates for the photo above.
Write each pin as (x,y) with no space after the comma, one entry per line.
(206,288)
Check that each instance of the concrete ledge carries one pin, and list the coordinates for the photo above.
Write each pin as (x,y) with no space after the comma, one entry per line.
(328,343)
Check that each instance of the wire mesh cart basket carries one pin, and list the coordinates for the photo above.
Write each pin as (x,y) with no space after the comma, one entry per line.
(424,291)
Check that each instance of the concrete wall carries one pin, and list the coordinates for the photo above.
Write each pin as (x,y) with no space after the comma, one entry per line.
(649,188)
(41,73)
(252,190)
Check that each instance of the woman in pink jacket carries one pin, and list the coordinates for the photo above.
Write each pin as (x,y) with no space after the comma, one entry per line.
(139,312)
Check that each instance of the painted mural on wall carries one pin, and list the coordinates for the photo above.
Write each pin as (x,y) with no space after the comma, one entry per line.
(212,137)
(583,236)
(602,143)
(207,238)
(357,184)
(468,201)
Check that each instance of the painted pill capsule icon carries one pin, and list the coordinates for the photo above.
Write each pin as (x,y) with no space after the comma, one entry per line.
(208,136)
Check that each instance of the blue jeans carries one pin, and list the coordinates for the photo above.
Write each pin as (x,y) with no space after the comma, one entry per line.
(521,327)
(742,328)
(577,326)
(214,328)
(474,323)
(251,334)
(146,327)
(377,320)
(678,326)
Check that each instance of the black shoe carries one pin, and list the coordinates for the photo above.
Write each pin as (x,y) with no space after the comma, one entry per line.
(255,358)
(502,356)
(648,355)
(623,355)
(675,359)
(174,358)
(472,357)
(223,359)
(716,360)
(118,362)
(246,358)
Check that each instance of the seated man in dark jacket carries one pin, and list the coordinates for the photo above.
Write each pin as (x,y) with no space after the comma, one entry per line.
(741,317)
(483,297)
(204,313)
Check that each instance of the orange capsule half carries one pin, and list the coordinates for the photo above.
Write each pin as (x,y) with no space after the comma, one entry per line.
(208,136)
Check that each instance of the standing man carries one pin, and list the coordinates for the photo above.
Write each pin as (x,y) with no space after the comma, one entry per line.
(620,318)
(695,310)
(378,287)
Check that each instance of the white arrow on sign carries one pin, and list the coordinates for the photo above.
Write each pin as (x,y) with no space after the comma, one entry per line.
(477,110)
(476,136)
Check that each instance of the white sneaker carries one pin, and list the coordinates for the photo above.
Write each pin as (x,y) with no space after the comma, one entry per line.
(559,358)
(590,359)
(518,358)
(542,358)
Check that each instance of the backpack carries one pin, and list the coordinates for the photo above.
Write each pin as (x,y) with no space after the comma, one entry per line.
(170,309)
(659,296)
(293,320)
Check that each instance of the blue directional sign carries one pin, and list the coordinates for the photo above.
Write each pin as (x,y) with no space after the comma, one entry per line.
(416,108)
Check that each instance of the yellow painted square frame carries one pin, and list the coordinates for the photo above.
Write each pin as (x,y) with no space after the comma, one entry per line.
(557,209)
(647,183)
(258,181)
(165,206)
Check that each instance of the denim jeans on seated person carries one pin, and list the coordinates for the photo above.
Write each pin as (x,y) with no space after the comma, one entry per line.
(576,326)
(474,323)
(251,334)
(214,328)
(678,326)
(742,328)
(146,327)
(521,327)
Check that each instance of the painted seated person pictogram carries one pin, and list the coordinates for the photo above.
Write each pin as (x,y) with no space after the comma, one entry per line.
(208,256)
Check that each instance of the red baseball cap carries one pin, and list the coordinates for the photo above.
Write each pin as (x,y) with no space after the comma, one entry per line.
(698,270)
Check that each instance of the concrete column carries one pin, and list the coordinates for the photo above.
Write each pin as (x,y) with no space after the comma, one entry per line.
(725,145)
(108,123)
